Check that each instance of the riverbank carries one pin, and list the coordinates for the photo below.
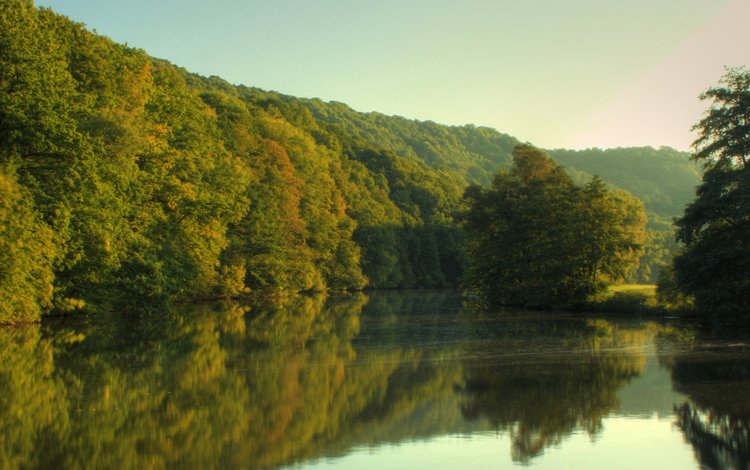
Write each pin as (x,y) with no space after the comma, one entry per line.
(638,299)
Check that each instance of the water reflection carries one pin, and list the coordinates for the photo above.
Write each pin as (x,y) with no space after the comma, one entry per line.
(224,385)
(541,396)
(166,400)
(33,403)
(715,419)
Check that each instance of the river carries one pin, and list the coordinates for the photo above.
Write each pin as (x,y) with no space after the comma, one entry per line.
(383,380)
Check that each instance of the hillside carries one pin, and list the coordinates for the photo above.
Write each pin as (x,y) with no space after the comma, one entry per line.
(127,181)
(664,179)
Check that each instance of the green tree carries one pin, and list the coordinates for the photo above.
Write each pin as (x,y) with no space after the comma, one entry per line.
(613,234)
(714,267)
(537,239)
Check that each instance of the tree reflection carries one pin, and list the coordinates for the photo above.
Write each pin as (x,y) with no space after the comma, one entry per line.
(205,387)
(224,385)
(715,420)
(315,394)
(539,399)
(32,400)
(168,401)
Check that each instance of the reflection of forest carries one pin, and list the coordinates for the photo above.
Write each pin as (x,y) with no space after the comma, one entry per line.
(214,387)
(227,386)
(715,420)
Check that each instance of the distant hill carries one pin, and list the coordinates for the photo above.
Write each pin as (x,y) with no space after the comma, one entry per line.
(663,179)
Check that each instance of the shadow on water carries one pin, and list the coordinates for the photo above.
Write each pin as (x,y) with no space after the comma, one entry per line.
(226,385)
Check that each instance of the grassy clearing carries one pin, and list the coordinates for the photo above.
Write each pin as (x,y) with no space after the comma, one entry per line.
(648,289)
(636,299)
(628,298)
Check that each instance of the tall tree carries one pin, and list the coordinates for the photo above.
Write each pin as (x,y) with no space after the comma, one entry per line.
(537,239)
(714,267)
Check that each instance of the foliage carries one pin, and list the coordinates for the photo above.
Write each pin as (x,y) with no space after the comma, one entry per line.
(663,179)
(627,299)
(117,155)
(160,185)
(26,254)
(713,268)
(537,239)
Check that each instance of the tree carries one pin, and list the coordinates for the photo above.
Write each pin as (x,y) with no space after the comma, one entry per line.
(714,267)
(537,239)
(613,234)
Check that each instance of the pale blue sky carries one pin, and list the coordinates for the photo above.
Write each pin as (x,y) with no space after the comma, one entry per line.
(572,73)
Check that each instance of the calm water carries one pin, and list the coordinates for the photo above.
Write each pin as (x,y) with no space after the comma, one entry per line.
(388,380)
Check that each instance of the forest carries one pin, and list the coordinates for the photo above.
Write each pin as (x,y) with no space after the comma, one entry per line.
(127,183)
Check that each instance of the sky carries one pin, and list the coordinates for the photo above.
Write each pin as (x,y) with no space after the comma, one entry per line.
(556,73)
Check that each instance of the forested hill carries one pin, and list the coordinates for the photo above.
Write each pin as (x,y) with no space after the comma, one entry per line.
(473,152)
(664,179)
(126,180)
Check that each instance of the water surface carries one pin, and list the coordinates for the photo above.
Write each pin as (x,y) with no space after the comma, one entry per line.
(387,380)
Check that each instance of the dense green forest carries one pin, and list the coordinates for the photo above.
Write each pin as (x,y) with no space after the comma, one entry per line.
(127,181)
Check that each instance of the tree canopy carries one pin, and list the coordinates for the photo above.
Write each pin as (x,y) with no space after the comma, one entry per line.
(537,239)
(714,267)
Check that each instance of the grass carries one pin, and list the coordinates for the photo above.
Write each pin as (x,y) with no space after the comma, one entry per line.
(646,289)
(628,298)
